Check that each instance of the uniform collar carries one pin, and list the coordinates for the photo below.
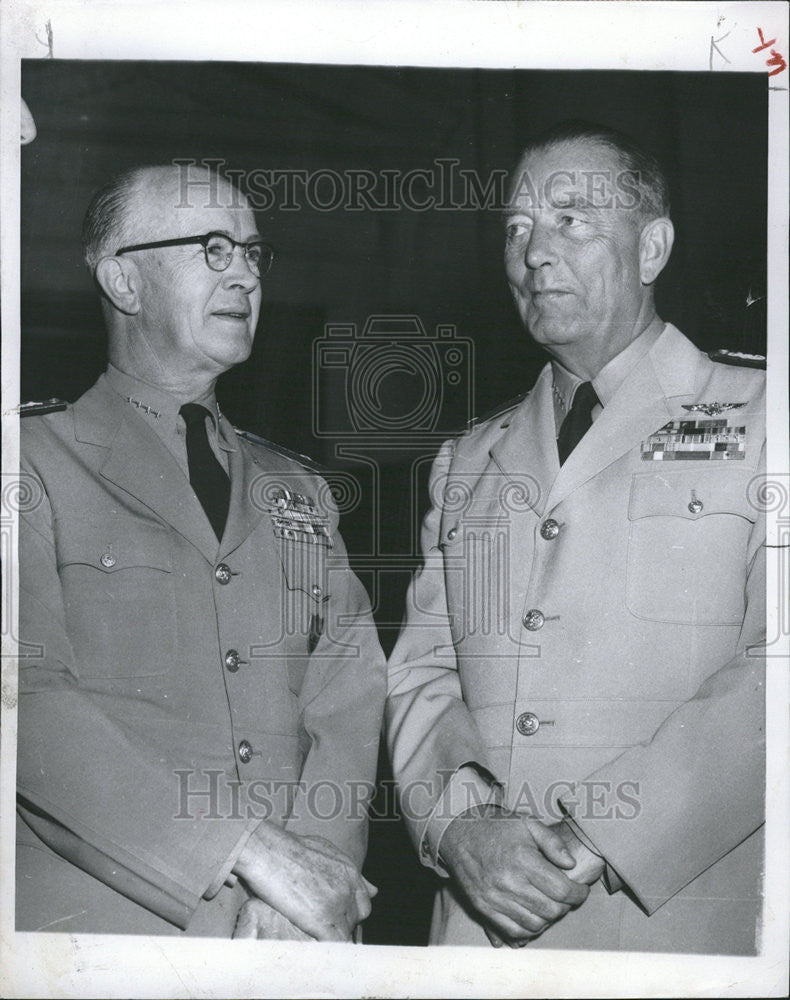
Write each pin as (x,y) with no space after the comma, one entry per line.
(226,436)
(610,377)
(159,407)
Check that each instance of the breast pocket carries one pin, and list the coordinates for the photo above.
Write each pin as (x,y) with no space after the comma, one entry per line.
(120,602)
(688,536)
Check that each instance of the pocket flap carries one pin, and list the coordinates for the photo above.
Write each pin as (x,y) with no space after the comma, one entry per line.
(655,494)
(113,545)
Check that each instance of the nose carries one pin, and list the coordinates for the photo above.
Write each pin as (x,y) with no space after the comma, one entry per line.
(238,274)
(541,247)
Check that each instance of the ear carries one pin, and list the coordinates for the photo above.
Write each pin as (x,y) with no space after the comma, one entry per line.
(118,280)
(655,246)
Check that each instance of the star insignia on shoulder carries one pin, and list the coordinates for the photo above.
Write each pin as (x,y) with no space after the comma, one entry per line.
(712,409)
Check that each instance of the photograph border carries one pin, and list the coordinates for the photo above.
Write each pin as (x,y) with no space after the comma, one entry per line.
(647,36)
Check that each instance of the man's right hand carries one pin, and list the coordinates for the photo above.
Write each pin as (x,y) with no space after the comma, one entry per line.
(509,868)
(306,879)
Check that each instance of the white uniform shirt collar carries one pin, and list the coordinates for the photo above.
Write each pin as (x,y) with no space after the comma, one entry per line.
(609,378)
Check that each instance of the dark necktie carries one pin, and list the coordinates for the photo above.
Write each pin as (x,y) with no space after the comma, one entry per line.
(577,421)
(208,478)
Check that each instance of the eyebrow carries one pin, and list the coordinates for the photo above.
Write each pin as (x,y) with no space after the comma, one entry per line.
(577,201)
(512,211)
(255,238)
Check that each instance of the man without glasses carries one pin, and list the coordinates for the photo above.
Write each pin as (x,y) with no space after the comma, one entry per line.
(202,685)
(578,686)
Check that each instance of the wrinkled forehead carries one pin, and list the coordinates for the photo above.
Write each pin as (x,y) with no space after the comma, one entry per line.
(175,203)
(580,173)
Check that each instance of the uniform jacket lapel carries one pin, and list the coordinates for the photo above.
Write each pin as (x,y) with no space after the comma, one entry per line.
(527,451)
(248,493)
(139,464)
(643,403)
(523,465)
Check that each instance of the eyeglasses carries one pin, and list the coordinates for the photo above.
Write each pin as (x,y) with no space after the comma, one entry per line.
(218,249)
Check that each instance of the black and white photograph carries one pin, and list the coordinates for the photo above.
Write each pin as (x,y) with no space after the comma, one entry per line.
(395,502)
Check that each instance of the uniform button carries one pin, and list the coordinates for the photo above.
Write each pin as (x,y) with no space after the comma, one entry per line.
(222,573)
(549,529)
(316,590)
(452,533)
(696,506)
(533,620)
(527,723)
(232,660)
(245,751)
(108,560)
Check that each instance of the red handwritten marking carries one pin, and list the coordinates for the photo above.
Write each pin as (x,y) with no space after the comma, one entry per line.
(776,59)
(765,44)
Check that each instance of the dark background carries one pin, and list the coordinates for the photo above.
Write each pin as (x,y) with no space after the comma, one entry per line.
(341,267)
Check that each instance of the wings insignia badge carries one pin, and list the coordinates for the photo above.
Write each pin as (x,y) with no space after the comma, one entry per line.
(712,409)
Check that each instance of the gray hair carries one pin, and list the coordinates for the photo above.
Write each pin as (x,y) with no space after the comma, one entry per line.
(109,221)
(648,175)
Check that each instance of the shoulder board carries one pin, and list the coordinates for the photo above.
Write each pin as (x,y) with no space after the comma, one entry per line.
(498,411)
(736,358)
(278,449)
(39,409)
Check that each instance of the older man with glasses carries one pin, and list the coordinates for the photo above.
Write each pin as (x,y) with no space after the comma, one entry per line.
(199,715)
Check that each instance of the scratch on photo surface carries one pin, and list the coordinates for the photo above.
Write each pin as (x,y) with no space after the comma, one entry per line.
(60,920)
(187,991)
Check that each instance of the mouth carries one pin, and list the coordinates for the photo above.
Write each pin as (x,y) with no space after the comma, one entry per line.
(233,314)
(548,296)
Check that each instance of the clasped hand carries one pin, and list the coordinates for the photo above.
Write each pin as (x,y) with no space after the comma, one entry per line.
(520,875)
(301,888)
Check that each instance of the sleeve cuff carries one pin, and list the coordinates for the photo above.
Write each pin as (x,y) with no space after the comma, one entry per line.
(468,788)
(225,875)
(611,880)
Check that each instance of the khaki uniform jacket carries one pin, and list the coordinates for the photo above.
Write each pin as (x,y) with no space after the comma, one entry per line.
(175,691)
(585,636)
